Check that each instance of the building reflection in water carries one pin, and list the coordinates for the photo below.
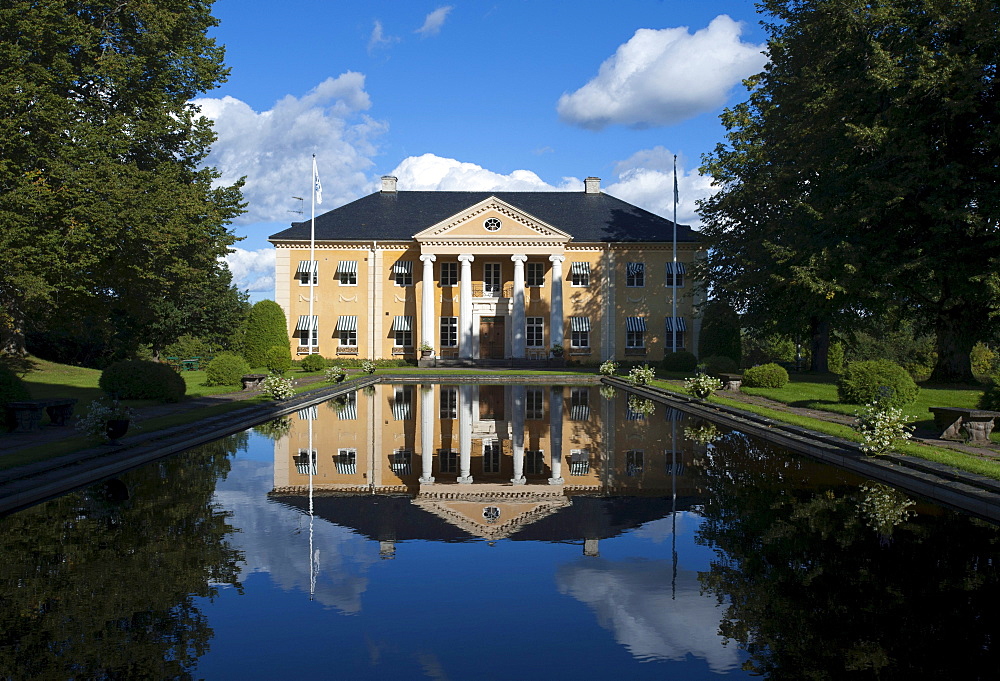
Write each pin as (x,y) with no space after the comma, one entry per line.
(486,461)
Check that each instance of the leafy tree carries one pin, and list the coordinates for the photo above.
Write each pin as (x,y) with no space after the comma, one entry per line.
(720,332)
(266,327)
(861,172)
(105,210)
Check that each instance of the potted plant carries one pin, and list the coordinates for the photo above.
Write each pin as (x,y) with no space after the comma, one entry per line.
(557,351)
(425,349)
(106,419)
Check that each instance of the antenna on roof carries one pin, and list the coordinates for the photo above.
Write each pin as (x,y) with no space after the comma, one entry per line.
(299,211)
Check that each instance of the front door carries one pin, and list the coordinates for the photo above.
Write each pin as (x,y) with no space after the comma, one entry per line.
(491,337)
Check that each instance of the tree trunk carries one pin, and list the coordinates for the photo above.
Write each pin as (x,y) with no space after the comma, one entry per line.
(954,349)
(820,344)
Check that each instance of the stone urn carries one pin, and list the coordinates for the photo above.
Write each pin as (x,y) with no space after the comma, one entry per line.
(115,429)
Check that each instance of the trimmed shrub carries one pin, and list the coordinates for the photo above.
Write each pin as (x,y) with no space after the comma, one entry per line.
(313,363)
(227,368)
(266,327)
(990,398)
(278,359)
(765,376)
(135,379)
(717,364)
(879,381)
(835,358)
(984,360)
(682,360)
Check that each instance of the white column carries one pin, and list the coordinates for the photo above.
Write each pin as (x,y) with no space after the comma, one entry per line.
(517,434)
(465,307)
(427,435)
(427,334)
(556,315)
(555,433)
(517,318)
(465,433)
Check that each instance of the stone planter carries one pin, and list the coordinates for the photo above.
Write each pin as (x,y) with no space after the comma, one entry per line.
(115,429)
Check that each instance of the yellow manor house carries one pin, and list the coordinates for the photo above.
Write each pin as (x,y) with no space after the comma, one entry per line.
(481,276)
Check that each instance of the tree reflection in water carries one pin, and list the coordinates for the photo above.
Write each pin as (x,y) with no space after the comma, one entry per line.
(812,592)
(102,583)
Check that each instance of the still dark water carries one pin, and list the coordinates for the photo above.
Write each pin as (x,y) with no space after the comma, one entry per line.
(632,545)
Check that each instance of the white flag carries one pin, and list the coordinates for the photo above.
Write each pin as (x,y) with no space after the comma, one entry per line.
(317,187)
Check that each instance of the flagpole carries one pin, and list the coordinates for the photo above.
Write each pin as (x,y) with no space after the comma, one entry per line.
(312,254)
(673,297)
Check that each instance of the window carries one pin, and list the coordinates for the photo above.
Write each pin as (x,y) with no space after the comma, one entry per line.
(492,281)
(635,275)
(534,274)
(535,332)
(674,326)
(347,330)
(401,462)
(347,272)
(402,327)
(579,401)
(307,330)
(402,403)
(491,224)
(491,457)
(348,338)
(675,270)
(347,461)
(347,407)
(534,462)
(579,330)
(633,463)
(447,461)
(449,274)
(579,461)
(449,403)
(635,331)
(534,408)
(307,267)
(449,332)
(403,272)
(579,273)
(305,464)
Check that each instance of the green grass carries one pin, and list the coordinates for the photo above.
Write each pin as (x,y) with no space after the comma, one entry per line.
(479,372)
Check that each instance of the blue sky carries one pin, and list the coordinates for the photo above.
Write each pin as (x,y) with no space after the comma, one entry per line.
(511,95)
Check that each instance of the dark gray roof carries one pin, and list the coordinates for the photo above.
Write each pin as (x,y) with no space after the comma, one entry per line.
(399,215)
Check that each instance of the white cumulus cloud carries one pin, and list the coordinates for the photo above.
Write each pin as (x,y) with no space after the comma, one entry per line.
(252,270)
(434,21)
(646,179)
(436,173)
(662,77)
(273,148)
(378,38)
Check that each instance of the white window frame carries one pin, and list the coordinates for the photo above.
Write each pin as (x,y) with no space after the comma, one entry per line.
(348,455)
(448,403)
(487,293)
(447,460)
(534,274)
(448,333)
(579,339)
(669,280)
(403,339)
(304,338)
(635,339)
(534,404)
(347,338)
(534,332)
(344,278)
(635,280)
(635,462)
(492,455)
(578,280)
(403,278)
(668,339)
(579,454)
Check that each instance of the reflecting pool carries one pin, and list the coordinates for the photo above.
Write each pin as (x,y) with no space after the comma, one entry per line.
(495,532)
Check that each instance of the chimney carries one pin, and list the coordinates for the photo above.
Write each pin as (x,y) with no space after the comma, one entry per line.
(592,185)
(388,184)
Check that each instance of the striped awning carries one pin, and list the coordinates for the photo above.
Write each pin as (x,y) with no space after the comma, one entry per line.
(580,268)
(349,410)
(305,324)
(401,463)
(347,323)
(402,411)
(347,267)
(308,414)
(635,323)
(307,266)
(302,464)
(346,465)
(579,323)
(579,467)
(634,268)
(634,415)
(402,267)
(674,414)
(579,412)
(402,323)
(676,324)
(675,268)
(674,468)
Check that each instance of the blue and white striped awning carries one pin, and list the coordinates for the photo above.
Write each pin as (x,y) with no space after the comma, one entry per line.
(402,267)
(401,463)
(579,412)
(347,463)
(675,268)
(674,414)
(580,268)
(676,324)
(579,323)
(402,410)
(302,466)
(308,414)
(347,323)
(579,467)
(635,323)
(674,468)
(634,268)
(347,267)
(402,323)
(307,266)
(349,410)
(634,415)
(306,325)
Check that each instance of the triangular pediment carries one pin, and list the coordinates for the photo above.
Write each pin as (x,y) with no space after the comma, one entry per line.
(492,220)
(491,516)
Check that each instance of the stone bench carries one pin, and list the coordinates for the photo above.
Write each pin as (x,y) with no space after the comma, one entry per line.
(731,382)
(252,381)
(27,414)
(977,424)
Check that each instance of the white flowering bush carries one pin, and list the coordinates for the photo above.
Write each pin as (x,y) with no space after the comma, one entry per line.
(884,507)
(881,428)
(642,406)
(702,386)
(607,392)
(94,424)
(368,366)
(277,387)
(335,374)
(704,434)
(641,375)
(608,368)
